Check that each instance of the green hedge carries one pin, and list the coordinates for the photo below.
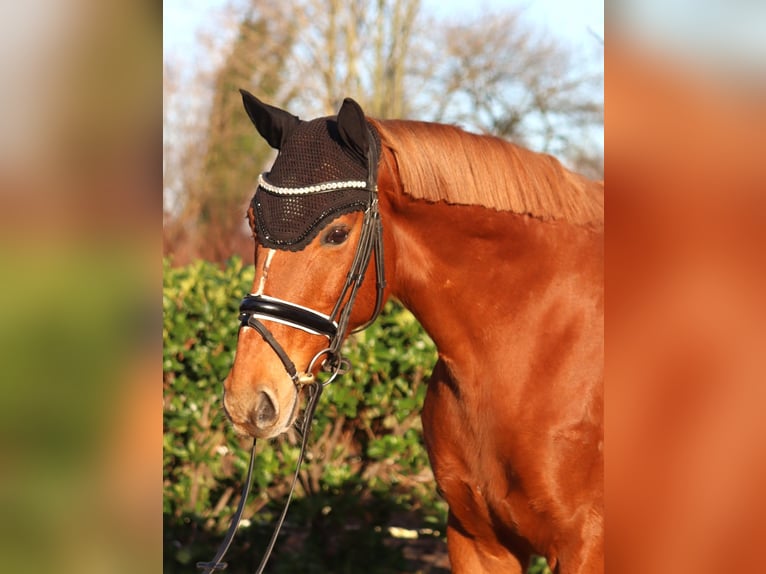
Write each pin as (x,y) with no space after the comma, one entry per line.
(366,468)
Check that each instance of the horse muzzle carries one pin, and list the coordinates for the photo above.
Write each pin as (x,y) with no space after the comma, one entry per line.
(260,413)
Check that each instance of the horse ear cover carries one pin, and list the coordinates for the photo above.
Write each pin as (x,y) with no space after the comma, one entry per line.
(352,128)
(321,172)
(274,125)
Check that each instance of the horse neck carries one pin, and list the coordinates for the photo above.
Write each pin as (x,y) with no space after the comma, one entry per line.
(470,274)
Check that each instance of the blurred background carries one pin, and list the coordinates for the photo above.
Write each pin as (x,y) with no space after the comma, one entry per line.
(80,315)
(685,448)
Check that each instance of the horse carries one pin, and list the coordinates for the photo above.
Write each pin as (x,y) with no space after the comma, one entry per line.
(498,252)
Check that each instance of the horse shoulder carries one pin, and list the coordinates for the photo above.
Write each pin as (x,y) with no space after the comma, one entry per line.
(472,479)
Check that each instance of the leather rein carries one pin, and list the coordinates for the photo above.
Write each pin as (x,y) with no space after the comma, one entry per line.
(255,308)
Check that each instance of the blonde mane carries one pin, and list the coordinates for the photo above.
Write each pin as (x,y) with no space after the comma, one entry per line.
(438,162)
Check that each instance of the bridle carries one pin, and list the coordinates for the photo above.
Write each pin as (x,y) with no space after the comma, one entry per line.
(334,326)
(254,309)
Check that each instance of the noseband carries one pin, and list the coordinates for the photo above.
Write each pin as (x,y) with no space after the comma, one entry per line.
(257,308)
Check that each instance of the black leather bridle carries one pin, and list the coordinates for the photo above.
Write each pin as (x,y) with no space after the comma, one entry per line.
(256,308)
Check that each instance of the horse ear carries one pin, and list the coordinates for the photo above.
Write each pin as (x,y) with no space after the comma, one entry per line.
(352,128)
(274,124)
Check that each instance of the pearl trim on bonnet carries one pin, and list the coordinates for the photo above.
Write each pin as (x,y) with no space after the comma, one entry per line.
(321,188)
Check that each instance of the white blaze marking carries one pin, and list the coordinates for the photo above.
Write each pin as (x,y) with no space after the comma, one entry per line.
(265,272)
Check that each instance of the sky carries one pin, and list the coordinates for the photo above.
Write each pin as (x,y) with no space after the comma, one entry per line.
(571,20)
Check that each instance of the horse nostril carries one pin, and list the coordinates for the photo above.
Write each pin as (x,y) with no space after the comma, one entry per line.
(266,410)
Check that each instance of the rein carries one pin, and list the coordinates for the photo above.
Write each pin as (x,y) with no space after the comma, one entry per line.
(334,327)
(217,562)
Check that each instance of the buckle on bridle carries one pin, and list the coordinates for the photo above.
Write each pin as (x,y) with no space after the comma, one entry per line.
(334,363)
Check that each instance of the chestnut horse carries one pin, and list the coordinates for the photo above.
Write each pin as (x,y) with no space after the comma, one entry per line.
(498,252)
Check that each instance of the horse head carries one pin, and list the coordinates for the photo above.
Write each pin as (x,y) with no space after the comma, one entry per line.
(316,226)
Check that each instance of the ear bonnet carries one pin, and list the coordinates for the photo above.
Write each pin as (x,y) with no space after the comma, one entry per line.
(325,168)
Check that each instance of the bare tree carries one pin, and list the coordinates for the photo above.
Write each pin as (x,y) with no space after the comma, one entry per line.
(217,194)
(184,128)
(356,49)
(501,75)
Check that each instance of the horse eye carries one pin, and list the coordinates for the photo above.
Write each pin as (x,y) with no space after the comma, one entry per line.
(336,235)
